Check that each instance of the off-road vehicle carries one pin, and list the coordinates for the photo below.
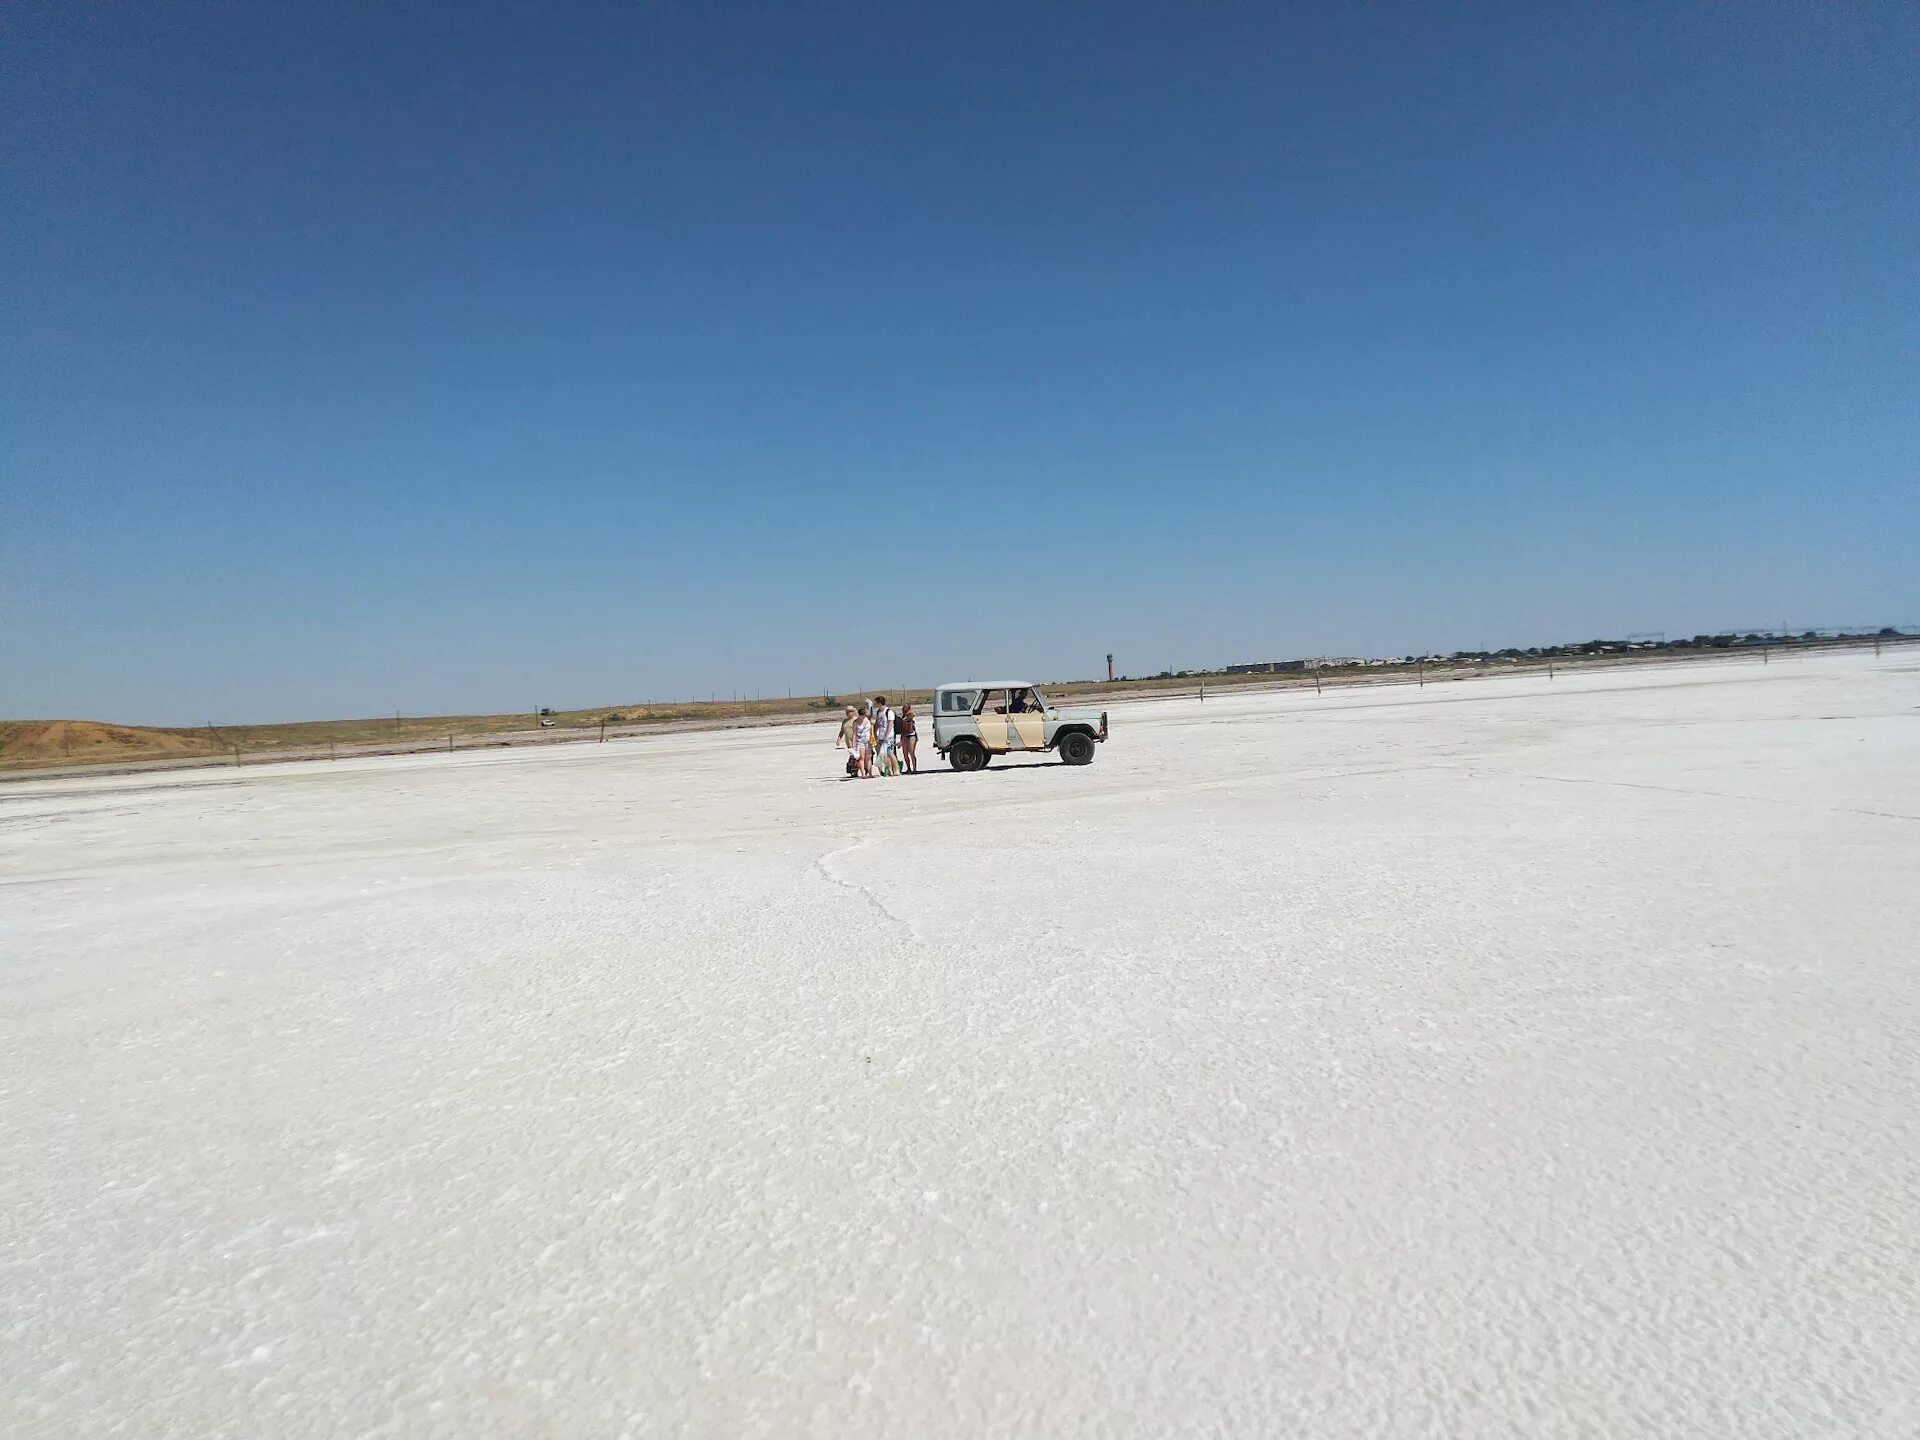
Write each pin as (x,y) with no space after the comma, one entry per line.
(975,720)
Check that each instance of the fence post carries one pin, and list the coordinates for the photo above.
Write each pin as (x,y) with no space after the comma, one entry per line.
(1766,654)
(1316,680)
(449,744)
(331,755)
(603,730)
(1423,674)
(1549,670)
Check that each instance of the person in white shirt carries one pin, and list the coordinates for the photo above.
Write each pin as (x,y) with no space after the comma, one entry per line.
(884,745)
(863,743)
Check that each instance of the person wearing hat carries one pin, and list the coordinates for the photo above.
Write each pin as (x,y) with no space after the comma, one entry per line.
(844,741)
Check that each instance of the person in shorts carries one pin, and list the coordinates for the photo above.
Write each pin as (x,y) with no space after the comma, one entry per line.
(909,732)
(885,744)
(863,743)
(844,741)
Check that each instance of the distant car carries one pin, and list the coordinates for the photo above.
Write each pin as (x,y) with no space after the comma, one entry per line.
(546,724)
(975,720)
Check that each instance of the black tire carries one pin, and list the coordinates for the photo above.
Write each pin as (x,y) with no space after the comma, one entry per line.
(967,754)
(1077,748)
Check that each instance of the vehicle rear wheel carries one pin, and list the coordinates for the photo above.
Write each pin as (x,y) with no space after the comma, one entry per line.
(1077,748)
(967,754)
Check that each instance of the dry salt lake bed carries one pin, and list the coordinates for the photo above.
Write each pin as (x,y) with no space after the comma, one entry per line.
(1505,1058)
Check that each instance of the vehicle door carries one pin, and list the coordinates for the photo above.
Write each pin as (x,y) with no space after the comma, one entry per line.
(1027,721)
(991,715)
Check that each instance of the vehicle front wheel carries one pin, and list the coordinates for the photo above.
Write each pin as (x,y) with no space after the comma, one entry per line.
(965,754)
(1077,748)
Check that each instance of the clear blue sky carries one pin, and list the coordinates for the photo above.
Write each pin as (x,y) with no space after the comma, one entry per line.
(469,357)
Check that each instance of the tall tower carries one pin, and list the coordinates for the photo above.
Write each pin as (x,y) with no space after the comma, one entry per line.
(1109,669)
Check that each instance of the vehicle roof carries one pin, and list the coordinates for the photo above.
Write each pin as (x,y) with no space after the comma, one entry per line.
(987,685)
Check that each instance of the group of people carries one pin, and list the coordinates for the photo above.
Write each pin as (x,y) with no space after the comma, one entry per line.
(879,740)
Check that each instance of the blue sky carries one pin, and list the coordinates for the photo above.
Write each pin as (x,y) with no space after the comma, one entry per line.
(455,358)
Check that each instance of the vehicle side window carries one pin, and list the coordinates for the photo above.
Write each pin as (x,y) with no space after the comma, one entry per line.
(958,702)
(992,702)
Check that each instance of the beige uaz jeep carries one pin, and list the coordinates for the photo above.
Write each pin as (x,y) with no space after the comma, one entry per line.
(975,720)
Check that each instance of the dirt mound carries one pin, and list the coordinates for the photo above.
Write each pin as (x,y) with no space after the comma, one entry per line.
(28,743)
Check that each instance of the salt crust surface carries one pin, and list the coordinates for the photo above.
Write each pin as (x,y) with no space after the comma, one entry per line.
(1504,1058)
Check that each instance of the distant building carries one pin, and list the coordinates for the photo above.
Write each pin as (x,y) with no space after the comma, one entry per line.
(1266,667)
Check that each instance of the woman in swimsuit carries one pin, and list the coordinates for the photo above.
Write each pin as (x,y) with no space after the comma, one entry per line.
(909,740)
